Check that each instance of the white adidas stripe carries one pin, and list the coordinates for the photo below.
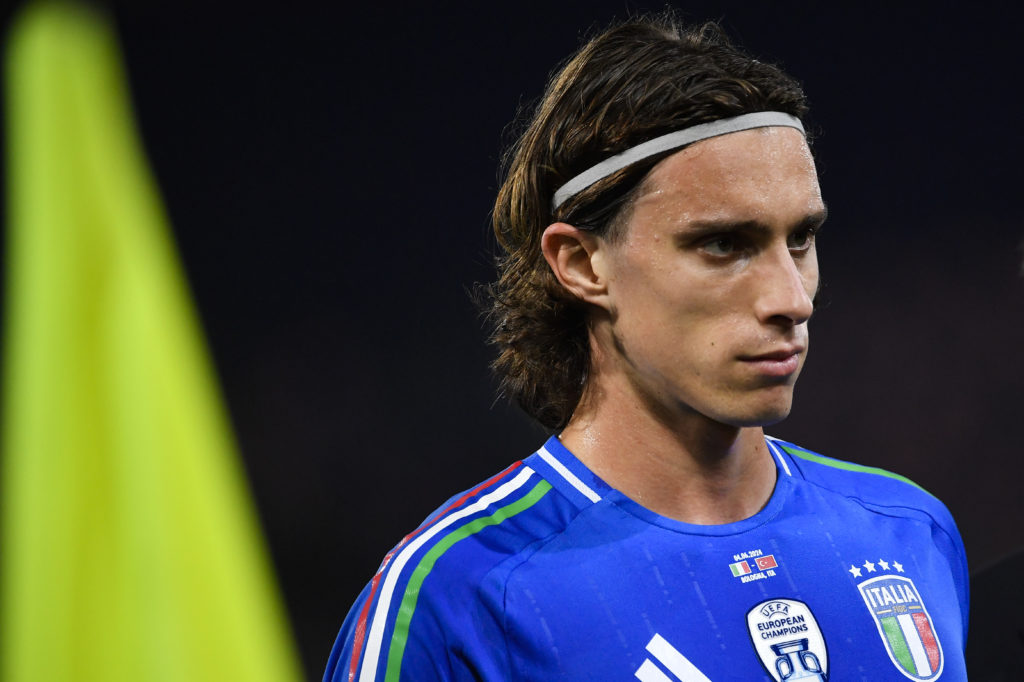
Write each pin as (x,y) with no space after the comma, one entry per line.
(673,659)
(648,672)
(380,616)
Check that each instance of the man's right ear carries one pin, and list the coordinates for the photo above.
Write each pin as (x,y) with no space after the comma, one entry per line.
(578,259)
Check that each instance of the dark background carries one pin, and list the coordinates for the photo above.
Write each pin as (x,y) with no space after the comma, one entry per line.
(329,174)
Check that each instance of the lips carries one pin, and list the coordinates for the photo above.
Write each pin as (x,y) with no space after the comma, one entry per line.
(781,362)
(780,354)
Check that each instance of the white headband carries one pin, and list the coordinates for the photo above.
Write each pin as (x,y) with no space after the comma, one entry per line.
(679,138)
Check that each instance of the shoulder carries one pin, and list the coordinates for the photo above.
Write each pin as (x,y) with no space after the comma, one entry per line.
(884,493)
(435,605)
(870,486)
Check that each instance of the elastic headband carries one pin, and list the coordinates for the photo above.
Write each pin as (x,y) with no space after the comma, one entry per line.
(679,138)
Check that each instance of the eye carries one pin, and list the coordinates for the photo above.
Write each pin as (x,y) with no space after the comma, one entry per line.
(721,245)
(801,240)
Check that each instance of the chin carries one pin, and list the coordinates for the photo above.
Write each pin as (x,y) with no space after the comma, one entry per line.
(766,420)
(759,415)
(772,418)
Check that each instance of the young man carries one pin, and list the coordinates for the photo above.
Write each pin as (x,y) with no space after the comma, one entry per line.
(659,220)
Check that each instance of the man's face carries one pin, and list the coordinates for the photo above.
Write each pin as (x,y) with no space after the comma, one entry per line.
(711,285)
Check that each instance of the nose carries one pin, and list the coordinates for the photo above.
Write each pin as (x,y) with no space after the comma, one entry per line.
(785,287)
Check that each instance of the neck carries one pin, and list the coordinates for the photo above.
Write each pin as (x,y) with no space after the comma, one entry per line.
(684,466)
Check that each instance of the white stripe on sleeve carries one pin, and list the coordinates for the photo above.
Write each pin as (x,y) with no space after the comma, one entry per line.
(380,616)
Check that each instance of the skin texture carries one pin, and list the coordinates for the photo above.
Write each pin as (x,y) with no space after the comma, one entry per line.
(698,325)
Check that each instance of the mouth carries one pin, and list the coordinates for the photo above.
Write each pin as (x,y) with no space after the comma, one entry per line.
(782,362)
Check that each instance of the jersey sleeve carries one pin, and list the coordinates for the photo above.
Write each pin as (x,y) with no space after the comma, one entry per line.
(945,536)
(340,663)
(436,608)
(438,631)
(949,540)
(887,492)
(396,650)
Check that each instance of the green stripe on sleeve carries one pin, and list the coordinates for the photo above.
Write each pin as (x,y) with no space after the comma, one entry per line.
(426,564)
(846,466)
(899,645)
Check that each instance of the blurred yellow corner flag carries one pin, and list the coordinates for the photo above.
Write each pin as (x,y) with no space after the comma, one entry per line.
(130,548)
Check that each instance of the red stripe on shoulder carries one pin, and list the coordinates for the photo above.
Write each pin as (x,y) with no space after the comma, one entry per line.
(359,634)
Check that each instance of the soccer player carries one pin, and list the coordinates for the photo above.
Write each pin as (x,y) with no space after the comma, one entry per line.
(659,220)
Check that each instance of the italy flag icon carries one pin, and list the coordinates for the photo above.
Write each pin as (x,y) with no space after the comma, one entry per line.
(740,568)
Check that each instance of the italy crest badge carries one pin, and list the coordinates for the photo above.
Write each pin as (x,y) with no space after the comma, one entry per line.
(904,625)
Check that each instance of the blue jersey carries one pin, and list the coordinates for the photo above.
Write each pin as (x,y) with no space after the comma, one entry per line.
(546,573)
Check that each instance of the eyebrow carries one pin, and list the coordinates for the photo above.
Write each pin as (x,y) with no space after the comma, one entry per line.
(702,227)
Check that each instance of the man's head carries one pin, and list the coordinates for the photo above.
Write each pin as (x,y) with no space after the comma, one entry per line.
(629,85)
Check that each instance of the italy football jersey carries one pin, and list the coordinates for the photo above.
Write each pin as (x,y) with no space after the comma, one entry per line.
(544,572)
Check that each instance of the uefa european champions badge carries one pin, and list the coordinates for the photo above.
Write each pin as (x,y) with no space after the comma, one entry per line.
(902,621)
(788,640)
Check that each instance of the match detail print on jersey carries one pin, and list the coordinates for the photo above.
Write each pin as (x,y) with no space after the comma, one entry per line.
(753,565)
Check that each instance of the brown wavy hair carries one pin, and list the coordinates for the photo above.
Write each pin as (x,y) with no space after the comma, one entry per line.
(633,82)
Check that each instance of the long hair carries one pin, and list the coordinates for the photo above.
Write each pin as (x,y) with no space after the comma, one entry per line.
(631,83)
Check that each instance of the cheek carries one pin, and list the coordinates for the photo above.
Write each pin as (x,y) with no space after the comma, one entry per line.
(812,280)
(689,328)
(670,307)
